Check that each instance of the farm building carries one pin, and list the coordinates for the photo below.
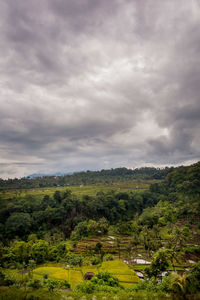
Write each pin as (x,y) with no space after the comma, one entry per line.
(88,275)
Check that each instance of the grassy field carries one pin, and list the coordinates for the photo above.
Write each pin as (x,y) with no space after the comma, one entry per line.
(117,268)
(91,190)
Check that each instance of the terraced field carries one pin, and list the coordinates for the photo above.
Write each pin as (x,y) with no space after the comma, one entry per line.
(117,268)
(109,245)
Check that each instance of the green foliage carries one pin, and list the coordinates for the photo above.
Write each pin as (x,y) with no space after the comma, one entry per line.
(108,257)
(95,260)
(89,177)
(159,264)
(64,284)
(74,259)
(105,278)
(58,251)
(102,282)
(34,229)
(148,218)
(21,251)
(18,224)
(193,279)
(178,285)
(68,214)
(86,287)
(34,284)
(99,227)
(45,276)
(4,280)
(80,231)
(40,251)
(19,294)
(192,249)
(52,284)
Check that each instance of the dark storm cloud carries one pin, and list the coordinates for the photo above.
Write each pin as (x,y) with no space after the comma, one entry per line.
(180,109)
(93,84)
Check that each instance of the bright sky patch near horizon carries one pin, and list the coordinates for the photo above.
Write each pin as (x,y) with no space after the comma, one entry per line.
(93,84)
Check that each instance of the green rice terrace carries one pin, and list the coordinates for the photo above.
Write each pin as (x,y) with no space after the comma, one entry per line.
(117,268)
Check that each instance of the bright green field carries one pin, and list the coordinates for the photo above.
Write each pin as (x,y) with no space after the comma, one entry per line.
(117,268)
(120,270)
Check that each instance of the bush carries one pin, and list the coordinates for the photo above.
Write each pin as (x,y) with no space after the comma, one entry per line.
(165,285)
(193,279)
(107,289)
(4,280)
(34,284)
(64,284)
(52,284)
(2,277)
(85,287)
(105,278)
(192,250)
(9,282)
(45,276)
(88,287)
(108,257)
(33,297)
(95,260)
(149,285)
(74,260)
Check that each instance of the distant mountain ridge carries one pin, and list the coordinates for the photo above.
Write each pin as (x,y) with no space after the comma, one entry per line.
(36,175)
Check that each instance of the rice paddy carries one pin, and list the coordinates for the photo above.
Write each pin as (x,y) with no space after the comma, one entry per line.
(117,268)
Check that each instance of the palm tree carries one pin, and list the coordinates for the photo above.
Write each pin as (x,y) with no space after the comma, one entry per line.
(178,286)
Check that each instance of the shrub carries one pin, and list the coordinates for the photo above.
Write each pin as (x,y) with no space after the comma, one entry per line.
(149,285)
(74,260)
(64,284)
(105,278)
(193,279)
(33,297)
(95,260)
(86,287)
(107,289)
(165,285)
(4,280)
(2,277)
(192,250)
(108,257)
(45,276)
(52,284)
(35,284)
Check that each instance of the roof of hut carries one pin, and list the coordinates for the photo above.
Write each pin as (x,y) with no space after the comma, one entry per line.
(88,275)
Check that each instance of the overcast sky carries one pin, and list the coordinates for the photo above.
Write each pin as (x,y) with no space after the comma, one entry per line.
(93,84)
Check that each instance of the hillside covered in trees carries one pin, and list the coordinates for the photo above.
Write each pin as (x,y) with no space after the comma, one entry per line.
(155,232)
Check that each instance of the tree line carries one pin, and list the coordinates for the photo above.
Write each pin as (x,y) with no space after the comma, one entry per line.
(88,177)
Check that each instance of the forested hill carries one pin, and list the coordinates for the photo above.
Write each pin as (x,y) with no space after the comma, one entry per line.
(179,191)
(88,177)
(184,180)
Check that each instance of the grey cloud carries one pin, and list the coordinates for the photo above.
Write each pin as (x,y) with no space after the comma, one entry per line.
(96,84)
